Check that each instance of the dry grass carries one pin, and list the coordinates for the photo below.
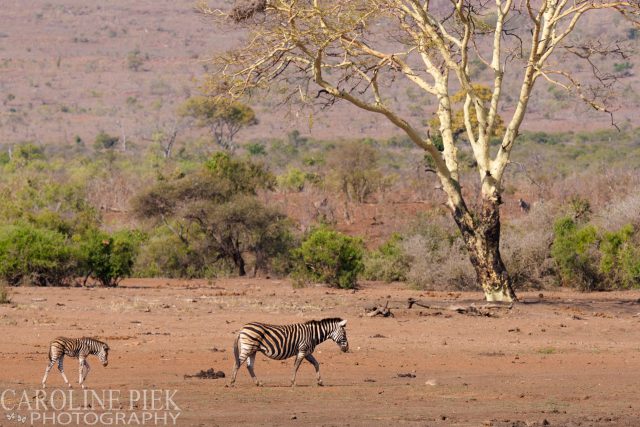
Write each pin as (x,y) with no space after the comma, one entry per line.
(5,297)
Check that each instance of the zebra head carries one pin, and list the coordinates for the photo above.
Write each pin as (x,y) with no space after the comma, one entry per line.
(103,354)
(339,335)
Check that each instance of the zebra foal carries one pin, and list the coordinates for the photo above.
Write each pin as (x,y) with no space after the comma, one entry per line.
(284,341)
(75,347)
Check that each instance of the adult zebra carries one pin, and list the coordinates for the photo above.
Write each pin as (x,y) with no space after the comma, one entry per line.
(75,347)
(283,341)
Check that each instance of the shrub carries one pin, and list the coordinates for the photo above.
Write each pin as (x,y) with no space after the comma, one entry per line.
(620,260)
(328,256)
(574,252)
(164,255)
(293,180)
(389,262)
(439,264)
(35,256)
(525,245)
(256,149)
(104,140)
(108,258)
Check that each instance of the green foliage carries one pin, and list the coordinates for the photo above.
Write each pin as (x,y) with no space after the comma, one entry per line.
(215,212)
(225,118)
(293,180)
(105,141)
(622,67)
(328,256)
(241,176)
(35,256)
(389,262)
(255,149)
(573,251)
(108,258)
(28,152)
(591,259)
(620,261)
(53,204)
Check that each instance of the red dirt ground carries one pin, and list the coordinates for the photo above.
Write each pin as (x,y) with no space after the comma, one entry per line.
(565,359)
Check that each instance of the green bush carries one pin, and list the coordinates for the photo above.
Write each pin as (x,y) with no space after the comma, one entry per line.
(35,256)
(328,256)
(389,262)
(591,259)
(573,251)
(293,180)
(108,258)
(620,261)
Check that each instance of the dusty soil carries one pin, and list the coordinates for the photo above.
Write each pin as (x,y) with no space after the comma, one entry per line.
(560,359)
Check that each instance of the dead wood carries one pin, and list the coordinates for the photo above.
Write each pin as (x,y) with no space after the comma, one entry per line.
(380,311)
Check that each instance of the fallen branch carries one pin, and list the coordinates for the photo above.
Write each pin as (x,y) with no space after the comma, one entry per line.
(483,310)
(381,311)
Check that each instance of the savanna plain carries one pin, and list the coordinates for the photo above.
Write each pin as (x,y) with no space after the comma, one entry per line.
(557,358)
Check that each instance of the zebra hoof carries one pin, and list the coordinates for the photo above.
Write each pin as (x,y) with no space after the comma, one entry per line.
(320,384)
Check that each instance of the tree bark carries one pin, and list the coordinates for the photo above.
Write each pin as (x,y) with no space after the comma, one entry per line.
(239,262)
(481,234)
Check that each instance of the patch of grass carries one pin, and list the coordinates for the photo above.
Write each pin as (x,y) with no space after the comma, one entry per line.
(547,350)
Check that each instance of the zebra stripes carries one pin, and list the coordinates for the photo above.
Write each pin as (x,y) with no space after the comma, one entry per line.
(75,347)
(284,341)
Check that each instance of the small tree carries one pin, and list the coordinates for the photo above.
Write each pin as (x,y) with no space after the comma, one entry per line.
(222,117)
(105,141)
(216,212)
(107,258)
(328,256)
(354,168)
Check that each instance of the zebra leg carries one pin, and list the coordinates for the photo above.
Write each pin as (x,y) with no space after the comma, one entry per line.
(250,361)
(239,361)
(296,365)
(316,365)
(61,369)
(80,370)
(46,372)
(84,371)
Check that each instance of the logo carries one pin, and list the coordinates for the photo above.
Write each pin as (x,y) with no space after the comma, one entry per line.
(58,407)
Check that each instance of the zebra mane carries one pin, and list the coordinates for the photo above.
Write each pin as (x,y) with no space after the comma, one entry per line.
(324,322)
(96,340)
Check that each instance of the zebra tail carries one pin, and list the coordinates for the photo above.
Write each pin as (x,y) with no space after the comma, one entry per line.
(236,349)
(49,353)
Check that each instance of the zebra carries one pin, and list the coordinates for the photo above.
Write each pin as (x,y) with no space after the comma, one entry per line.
(283,341)
(75,347)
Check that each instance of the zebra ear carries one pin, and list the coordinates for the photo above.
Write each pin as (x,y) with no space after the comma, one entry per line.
(343,323)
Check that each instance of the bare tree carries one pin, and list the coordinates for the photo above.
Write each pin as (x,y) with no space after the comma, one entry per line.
(354,50)
(166,135)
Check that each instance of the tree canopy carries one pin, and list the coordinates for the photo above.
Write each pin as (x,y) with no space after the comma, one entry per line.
(223,117)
